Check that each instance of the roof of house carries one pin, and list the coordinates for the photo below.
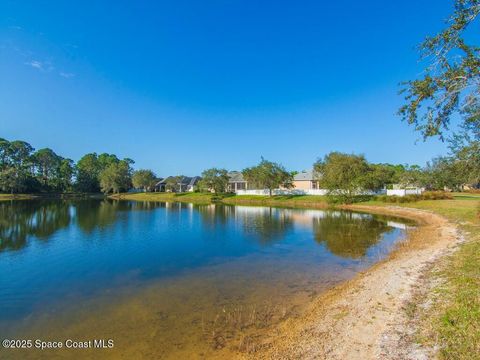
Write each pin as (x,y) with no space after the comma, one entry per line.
(235,176)
(184,180)
(308,175)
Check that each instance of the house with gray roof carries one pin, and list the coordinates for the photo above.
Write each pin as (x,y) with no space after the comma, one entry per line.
(306,180)
(236,182)
(177,183)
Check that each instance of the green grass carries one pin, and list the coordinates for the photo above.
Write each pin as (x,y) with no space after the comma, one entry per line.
(471,196)
(200,198)
(454,320)
(458,323)
(6,197)
(279,200)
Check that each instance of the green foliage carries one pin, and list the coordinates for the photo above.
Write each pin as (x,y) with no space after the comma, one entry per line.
(451,82)
(215,180)
(465,148)
(88,171)
(381,174)
(16,165)
(444,172)
(53,171)
(144,179)
(413,176)
(345,175)
(172,183)
(23,170)
(268,175)
(116,177)
(428,195)
(90,168)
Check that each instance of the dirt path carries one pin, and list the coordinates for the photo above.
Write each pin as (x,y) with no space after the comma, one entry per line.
(365,318)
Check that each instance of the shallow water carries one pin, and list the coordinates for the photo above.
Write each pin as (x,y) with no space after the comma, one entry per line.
(171,280)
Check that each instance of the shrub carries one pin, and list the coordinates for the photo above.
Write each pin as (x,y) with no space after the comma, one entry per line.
(428,195)
(437,195)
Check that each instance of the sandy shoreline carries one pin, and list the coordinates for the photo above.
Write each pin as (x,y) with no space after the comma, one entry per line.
(365,318)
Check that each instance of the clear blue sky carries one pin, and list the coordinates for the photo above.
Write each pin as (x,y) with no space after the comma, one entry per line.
(181,86)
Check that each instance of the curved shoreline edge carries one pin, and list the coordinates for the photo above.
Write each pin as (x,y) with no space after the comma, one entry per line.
(365,317)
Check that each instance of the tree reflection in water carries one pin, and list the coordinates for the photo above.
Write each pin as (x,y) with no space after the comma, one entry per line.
(266,225)
(348,234)
(20,220)
(345,234)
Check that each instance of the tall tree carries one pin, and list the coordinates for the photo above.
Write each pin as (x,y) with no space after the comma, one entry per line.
(116,177)
(268,175)
(47,165)
(172,183)
(413,175)
(143,179)
(344,175)
(444,172)
(88,171)
(214,180)
(451,81)
(16,165)
(65,175)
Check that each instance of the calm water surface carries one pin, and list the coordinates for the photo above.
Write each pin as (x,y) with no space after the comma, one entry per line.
(170,280)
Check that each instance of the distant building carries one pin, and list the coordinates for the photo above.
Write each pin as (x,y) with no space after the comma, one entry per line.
(183,184)
(306,180)
(236,182)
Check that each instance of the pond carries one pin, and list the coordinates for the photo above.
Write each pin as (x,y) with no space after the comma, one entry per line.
(172,280)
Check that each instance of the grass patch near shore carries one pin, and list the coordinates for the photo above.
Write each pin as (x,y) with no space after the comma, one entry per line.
(196,198)
(456,323)
(453,320)
(7,197)
(231,199)
(313,201)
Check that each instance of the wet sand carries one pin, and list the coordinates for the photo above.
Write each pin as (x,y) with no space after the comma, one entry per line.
(364,318)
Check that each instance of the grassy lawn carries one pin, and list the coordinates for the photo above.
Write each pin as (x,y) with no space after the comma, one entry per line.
(5,197)
(278,200)
(200,198)
(454,319)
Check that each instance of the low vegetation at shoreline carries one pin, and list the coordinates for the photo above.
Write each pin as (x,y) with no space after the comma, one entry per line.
(452,321)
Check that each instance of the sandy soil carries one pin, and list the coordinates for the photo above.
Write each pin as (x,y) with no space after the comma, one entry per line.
(365,318)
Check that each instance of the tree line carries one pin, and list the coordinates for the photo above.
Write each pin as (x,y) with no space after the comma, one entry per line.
(348,175)
(22,169)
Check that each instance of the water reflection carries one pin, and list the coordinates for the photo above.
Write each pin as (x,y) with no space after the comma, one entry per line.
(41,219)
(348,234)
(345,234)
(188,258)
(265,225)
(20,220)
